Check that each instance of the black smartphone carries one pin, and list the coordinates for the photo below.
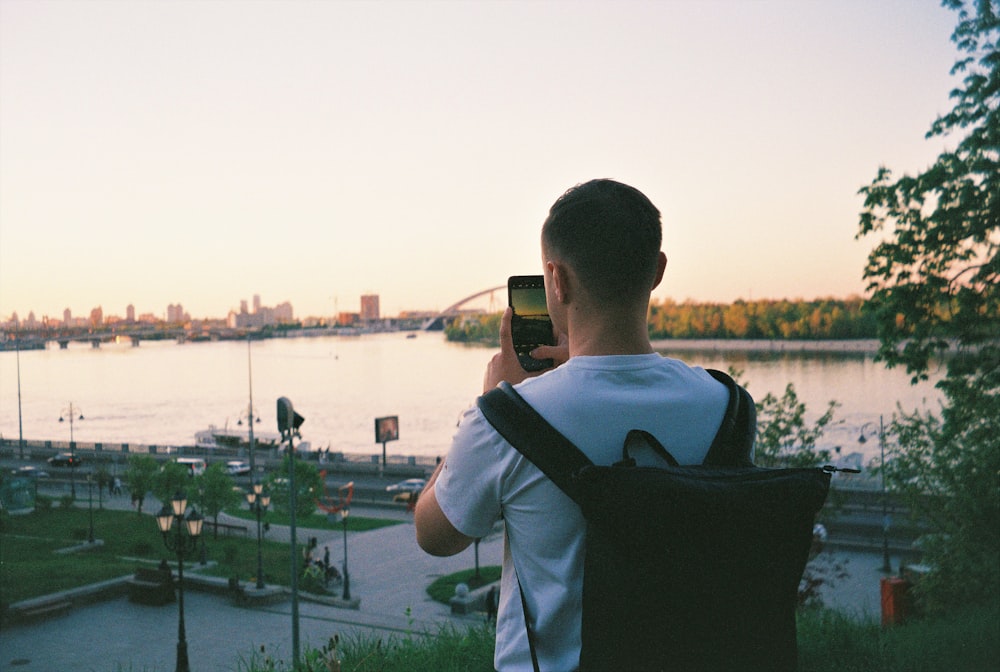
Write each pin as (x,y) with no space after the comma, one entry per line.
(530,325)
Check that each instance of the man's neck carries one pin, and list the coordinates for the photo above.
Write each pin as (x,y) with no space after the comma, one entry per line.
(626,335)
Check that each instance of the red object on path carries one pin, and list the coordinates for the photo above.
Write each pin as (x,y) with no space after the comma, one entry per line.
(895,608)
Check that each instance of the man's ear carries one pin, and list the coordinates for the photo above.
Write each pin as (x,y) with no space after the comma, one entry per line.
(661,266)
(560,280)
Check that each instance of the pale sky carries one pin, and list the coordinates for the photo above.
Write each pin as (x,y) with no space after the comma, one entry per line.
(200,152)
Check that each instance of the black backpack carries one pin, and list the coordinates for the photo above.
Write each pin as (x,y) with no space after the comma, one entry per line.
(686,568)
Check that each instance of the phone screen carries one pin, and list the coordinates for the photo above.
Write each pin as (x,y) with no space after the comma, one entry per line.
(530,325)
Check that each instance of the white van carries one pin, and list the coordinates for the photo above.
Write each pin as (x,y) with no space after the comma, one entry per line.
(195,465)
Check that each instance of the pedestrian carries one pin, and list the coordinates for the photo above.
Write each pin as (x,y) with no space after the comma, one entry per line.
(601,259)
(491,604)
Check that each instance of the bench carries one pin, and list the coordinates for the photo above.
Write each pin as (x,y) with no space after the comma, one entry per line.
(227,529)
(151,586)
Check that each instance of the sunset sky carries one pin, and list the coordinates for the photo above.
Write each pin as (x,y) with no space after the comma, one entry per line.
(201,152)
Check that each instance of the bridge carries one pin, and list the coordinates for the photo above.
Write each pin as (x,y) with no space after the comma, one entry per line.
(135,334)
(437,322)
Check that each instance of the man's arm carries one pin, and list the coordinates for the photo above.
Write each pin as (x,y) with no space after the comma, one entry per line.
(435,533)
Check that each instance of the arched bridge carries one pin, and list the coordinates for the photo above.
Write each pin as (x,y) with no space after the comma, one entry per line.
(437,322)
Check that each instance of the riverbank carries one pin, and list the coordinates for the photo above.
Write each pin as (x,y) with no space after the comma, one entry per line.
(862,346)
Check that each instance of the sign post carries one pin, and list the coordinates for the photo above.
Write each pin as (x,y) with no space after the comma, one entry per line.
(386,429)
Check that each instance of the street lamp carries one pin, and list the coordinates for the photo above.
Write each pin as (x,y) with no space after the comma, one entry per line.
(90,506)
(72,447)
(178,542)
(259,500)
(344,513)
(886,566)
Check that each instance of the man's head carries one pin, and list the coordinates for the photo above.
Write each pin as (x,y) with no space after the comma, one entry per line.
(609,233)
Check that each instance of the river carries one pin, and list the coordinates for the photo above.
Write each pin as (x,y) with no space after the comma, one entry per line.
(163,392)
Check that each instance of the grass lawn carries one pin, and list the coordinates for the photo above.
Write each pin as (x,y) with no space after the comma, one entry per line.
(316,521)
(30,568)
(443,588)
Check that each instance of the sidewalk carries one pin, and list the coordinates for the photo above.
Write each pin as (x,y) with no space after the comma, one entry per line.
(388,573)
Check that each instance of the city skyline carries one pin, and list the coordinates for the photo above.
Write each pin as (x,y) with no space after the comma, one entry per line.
(154,153)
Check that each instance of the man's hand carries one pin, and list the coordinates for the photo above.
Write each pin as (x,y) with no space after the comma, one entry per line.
(505,367)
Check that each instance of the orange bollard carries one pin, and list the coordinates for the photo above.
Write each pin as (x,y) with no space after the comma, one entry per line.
(893,592)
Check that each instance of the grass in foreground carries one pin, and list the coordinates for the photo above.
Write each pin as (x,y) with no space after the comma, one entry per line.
(828,642)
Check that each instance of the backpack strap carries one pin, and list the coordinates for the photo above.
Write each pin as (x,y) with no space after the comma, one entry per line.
(532,436)
(734,442)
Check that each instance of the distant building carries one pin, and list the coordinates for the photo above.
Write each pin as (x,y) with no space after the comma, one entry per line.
(97,317)
(176,314)
(67,317)
(369,307)
(262,316)
(130,313)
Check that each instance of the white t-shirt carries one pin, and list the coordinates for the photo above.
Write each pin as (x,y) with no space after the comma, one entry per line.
(594,402)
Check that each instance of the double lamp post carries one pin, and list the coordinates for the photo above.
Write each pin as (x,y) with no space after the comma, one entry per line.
(259,499)
(182,545)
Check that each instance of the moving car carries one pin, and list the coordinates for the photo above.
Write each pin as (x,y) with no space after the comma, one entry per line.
(29,472)
(404,489)
(237,468)
(65,460)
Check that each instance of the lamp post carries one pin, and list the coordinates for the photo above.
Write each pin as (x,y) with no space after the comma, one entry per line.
(259,500)
(344,513)
(20,424)
(90,506)
(886,565)
(182,545)
(288,424)
(72,447)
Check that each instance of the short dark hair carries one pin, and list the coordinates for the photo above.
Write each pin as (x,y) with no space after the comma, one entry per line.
(610,234)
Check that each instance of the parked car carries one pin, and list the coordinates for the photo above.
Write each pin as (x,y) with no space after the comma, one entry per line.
(410,485)
(65,460)
(237,467)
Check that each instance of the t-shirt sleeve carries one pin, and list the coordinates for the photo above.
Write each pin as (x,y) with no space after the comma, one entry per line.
(468,487)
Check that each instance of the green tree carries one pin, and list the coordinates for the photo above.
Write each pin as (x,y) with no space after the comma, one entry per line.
(140,474)
(784,437)
(934,291)
(170,479)
(308,488)
(215,493)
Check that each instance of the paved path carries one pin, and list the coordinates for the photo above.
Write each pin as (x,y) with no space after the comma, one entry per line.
(389,574)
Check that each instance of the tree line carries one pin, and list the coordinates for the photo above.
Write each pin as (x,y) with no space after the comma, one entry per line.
(826,319)
(766,318)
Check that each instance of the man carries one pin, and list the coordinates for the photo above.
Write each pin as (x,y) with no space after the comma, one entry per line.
(601,260)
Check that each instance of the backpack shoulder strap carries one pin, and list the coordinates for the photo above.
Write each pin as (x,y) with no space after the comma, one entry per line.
(734,442)
(532,436)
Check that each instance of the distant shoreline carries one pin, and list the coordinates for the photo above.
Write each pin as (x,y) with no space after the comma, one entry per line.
(864,345)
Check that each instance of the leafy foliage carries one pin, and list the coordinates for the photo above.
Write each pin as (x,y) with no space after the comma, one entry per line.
(784,319)
(308,488)
(478,329)
(170,479)
(934,280)
(784,439)
(214,492)
(140,474)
